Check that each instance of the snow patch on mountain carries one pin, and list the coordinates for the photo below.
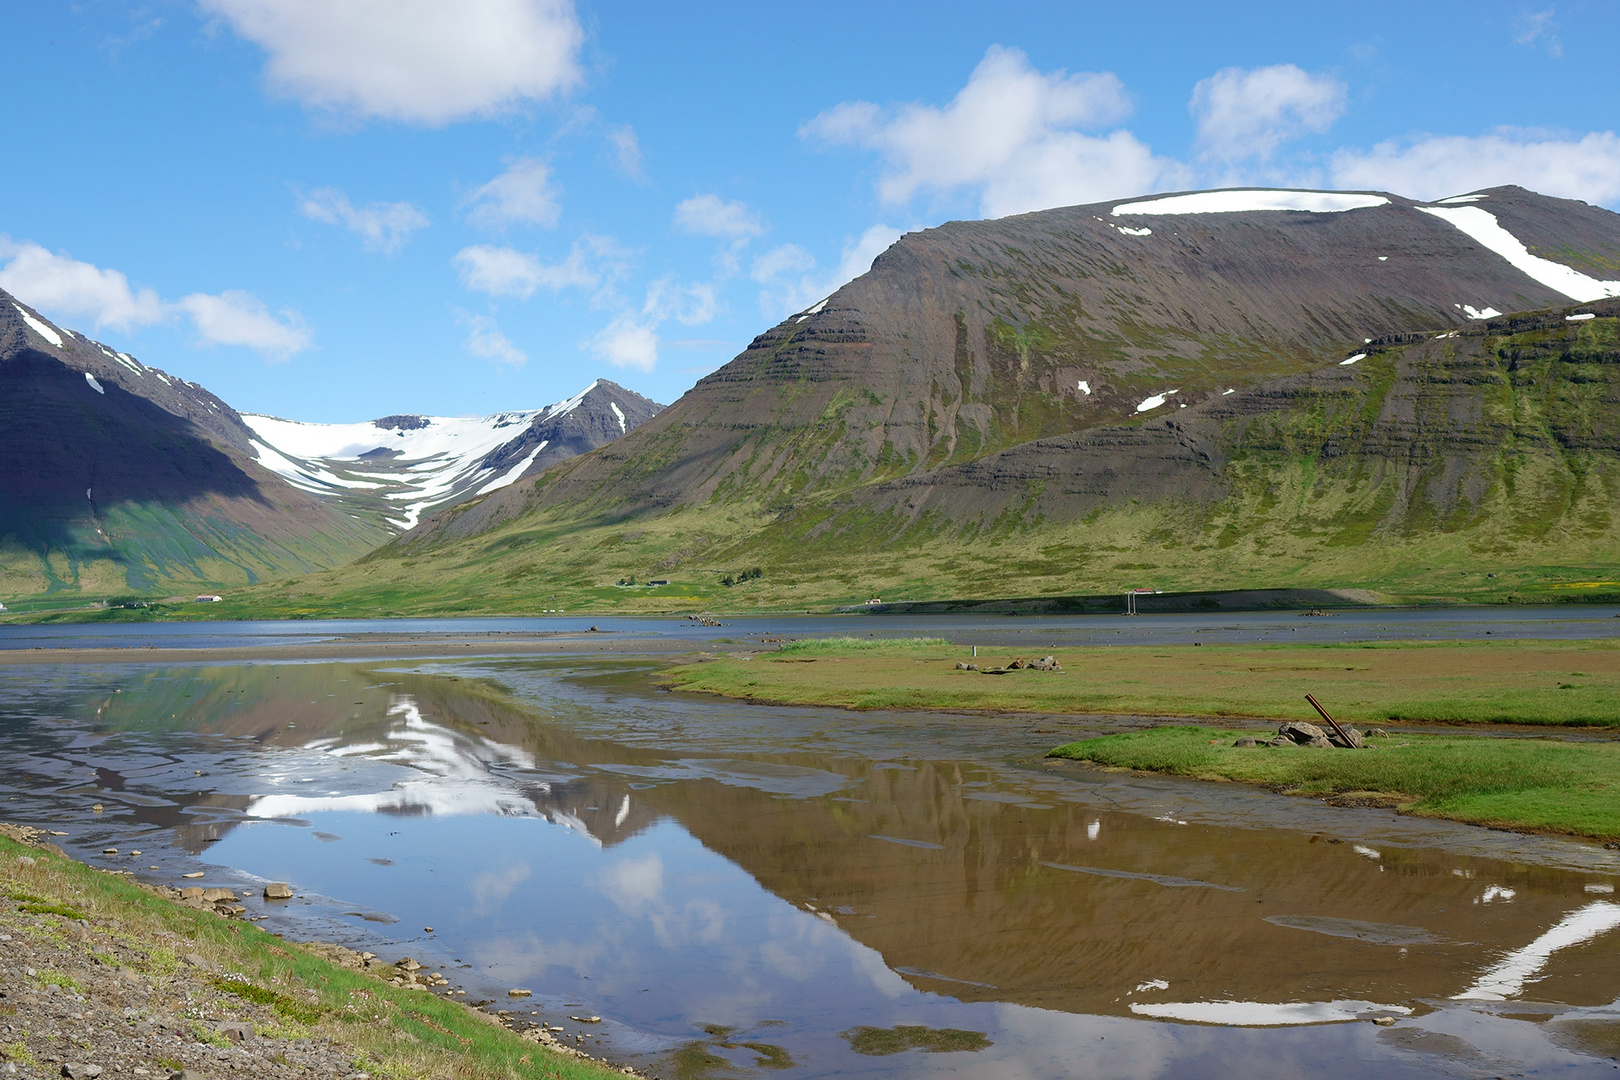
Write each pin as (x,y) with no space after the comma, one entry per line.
(1237,202)
(1482,227)
(42,329)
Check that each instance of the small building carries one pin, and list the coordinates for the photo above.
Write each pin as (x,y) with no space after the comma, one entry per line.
(209,598)
(874,602)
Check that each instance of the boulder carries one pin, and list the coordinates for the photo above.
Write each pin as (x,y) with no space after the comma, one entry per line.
(1247,740)
(278,890)
(235,1031)
(1320,742)
(1354,743)
(1299,733)
(1017,664)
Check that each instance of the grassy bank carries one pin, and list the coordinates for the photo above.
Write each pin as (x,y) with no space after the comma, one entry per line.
(1510,682)
(1537,784)
(89,917)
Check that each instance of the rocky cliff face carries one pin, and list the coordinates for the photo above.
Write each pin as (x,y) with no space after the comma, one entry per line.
(1497,435)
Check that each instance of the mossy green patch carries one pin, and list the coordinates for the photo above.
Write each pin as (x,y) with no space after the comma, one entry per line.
(1532,784)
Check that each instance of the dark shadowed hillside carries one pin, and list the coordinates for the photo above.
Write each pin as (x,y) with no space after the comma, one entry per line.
(117,477)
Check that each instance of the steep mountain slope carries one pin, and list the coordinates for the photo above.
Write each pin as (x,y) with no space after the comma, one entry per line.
(925,428)
(394,469)
(115,477)
(975,336)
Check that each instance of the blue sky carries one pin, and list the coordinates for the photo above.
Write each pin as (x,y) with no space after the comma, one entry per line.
(339,209)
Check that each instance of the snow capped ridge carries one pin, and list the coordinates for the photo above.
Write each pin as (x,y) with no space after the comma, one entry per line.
(406,465)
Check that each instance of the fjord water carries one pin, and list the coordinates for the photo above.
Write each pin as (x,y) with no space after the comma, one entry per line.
(738,888)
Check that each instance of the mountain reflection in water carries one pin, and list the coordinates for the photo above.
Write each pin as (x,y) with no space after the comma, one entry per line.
(672,887)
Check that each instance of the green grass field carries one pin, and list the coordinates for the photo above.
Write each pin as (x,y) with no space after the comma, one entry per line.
(1522,783)
(1511,682)
(1534,784)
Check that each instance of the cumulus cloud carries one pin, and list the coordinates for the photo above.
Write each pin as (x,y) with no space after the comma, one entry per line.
(504,271)
(381,226)
(64,286)
(522,195)
(628,341)
(1011,136)
(1434,166)
(485,339)
(235,317)
(631,338)
(1244,114)
(416,61)
(790,278)
(710,215)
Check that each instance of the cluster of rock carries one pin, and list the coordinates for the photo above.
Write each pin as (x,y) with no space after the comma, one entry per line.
(1298,733)
(222,901)
(411,975)
(1045,663)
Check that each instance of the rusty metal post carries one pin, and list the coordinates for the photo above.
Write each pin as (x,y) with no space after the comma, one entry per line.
(1349,743)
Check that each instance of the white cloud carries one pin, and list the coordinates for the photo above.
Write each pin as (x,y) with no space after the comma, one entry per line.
(786,259)
(1248,114)
(627,148)
(382,226)
(61,285)
(1432,167)
(627,341)
(485,339)
(522,195)
(64,287)
(1539,29)
(417,61)
(1009,136)
(690,305)
(789,272)
(504,271)
(234,317)
(631,338)
(710,215)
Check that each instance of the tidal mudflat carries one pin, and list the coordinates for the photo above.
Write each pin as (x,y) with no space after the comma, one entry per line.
(733,888)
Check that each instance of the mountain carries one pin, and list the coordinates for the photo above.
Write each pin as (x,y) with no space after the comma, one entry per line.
(394,469)
(912,432)
(116,477)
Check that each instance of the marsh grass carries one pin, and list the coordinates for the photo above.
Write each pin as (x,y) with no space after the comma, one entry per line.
(1511,682)
(1533,784)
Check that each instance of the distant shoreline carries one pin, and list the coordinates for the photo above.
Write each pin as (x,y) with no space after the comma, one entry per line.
(364,647)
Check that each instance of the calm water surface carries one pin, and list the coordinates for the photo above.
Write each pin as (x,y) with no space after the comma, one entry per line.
(738,889)
(1416,624)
